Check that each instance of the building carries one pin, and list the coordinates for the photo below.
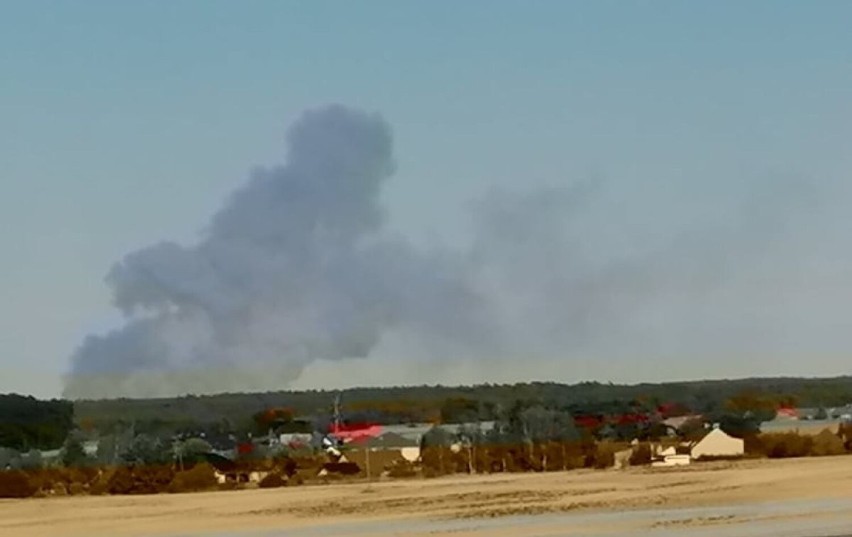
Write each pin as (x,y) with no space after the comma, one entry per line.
(296,440)
(676,423)
(804,427)
(673,460)
(786,413)
(717,443)
(413,431)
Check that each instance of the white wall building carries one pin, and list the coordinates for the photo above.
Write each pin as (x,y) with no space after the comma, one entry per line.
(717,443)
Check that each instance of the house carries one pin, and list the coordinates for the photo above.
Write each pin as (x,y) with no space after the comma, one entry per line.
(673,459)
(388,447)
(810,413)
(677,422)
(668,451)
(786,413)
(668,456)
(295,440)
(458,428)
(717,443)
(804,427)
(411,431)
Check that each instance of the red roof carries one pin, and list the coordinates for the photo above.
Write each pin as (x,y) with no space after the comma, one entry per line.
(631,418)
(787,412)
(356,432)
(588,421)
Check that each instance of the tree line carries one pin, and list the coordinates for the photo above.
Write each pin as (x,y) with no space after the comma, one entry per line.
(460,404)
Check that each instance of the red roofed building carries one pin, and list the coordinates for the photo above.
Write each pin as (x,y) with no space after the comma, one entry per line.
(786,413)
(355,432)
(245,448)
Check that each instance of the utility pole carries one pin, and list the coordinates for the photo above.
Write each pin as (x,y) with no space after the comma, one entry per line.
(367,459)
(337,412)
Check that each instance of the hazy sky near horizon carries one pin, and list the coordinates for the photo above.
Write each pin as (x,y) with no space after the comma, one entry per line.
(126,123)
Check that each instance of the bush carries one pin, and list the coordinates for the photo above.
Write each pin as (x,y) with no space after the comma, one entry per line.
(402,469)
(272,481)
(228,485)
(200,477)
(827,443)
(641,455)
(73,453)
(16,484)
(121,481)
(140,480)
(603,456)
(101,484)
(784,445)
(287,465)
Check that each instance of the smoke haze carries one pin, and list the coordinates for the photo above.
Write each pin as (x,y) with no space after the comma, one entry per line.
(299,266)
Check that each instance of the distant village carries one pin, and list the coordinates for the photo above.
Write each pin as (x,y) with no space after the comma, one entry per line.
(348,447)
(293,449)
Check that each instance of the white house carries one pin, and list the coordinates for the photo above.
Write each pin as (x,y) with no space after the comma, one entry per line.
(668,456)
(673,460)
(717,443)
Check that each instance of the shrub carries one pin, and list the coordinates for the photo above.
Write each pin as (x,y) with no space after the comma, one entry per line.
(76,489)
(200,477)
(152,479)
(73,453)
(16,484)
(783,445)
(121,481)
(101,484)
(272,481)
(228,485)
(603,455)
(641,455)
(754,446)
(402,469)
(827,443)
(140,480)
(287,465)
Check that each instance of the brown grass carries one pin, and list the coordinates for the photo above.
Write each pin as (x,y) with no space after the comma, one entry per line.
(479,496)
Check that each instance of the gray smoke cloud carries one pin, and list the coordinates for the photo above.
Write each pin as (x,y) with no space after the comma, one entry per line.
(299,266)
(295,267)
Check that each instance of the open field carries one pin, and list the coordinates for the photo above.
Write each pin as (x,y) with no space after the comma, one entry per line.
(471,505)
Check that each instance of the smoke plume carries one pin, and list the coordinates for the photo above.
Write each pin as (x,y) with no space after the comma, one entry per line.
(298,265)
(294,267)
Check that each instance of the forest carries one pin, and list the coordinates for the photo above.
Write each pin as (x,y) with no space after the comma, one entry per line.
(433,404)
(27,423)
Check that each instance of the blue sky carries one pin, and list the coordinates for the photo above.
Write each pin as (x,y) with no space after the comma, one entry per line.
(125,123)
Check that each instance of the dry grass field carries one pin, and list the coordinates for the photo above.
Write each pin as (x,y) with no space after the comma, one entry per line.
(451,498)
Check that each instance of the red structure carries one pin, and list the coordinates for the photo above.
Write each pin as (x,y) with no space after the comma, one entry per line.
(355,432)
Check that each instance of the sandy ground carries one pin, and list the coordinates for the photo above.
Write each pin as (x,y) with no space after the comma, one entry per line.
(786,494)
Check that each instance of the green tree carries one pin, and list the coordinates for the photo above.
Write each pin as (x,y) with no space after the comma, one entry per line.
(9,459)
(459,410)
(147,450)
(192,450)
(73,454)
(27,423)
(32,460)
